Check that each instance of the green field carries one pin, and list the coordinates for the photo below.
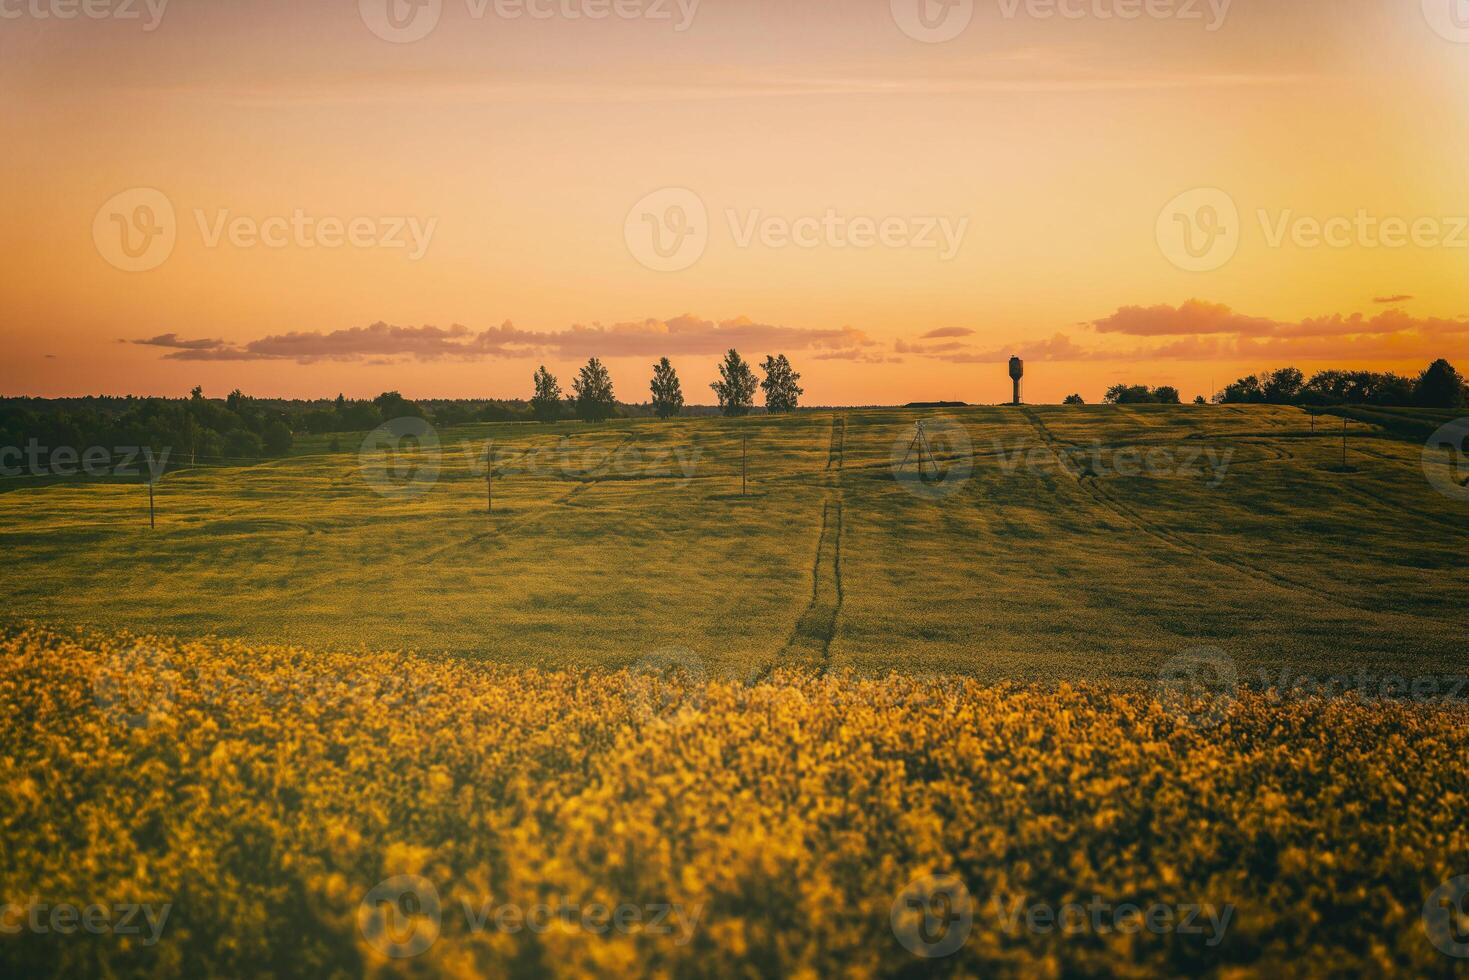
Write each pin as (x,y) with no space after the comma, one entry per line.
(630,542)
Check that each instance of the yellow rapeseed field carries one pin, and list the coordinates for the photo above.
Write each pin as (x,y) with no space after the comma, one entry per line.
(347,814)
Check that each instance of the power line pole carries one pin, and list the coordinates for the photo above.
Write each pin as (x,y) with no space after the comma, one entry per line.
(744,462)
(490,479)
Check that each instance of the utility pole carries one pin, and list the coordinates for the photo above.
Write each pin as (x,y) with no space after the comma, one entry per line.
(744,462)
(490,479)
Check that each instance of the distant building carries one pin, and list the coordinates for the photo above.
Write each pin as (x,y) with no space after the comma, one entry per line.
(1017,371)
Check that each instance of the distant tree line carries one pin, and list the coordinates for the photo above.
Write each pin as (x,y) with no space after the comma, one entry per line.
(194,429)
(592,398)
(1439,386)
(239,428)
(1137,395)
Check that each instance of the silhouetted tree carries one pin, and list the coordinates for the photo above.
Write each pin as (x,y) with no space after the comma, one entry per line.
(1166,395)
(1129,395)
(545,404)
(736,387)
(592,393)
(782,393)
(1439,387)
(1245,391)
(1074,400)
(667,391)
(277,437)
(1283,387)
(391,405)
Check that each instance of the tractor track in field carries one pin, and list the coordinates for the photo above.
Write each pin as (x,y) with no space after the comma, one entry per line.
(836,453)
(1437,520)
(816,627)
(1253,572)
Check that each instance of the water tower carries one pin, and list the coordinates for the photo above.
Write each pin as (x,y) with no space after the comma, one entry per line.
(1017,371)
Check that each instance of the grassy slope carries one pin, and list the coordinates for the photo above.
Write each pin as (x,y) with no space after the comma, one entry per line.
(1024,572)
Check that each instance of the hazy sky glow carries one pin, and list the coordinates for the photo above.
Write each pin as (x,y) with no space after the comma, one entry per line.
(441,215)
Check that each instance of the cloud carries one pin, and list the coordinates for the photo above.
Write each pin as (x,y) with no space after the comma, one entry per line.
(1400,298)
(1057,348)
(947,332)
(863,356)
(682,335)
(904,347)
(1030,69)
(173,340)
(1193,318)
(1197,318)
(1203,331)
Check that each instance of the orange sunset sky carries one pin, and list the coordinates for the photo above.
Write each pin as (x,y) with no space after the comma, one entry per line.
(536,156)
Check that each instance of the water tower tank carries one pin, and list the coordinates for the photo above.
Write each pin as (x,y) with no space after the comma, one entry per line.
(1017,371)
